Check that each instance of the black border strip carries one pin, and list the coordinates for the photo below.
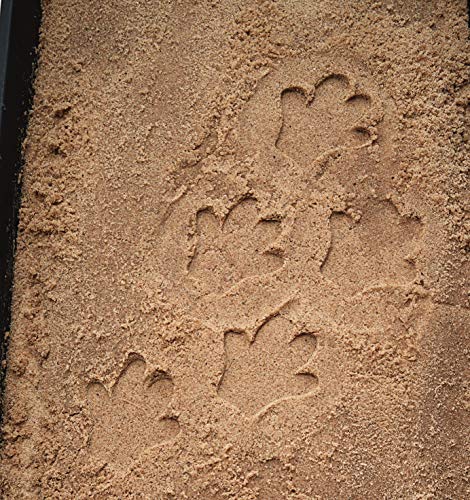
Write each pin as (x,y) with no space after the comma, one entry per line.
(19,38)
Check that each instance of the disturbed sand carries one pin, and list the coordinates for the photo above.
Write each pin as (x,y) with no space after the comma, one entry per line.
(242,267)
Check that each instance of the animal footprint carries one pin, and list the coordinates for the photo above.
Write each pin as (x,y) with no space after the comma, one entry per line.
(237,247)
(324,120)
(380,248)
(131,417)
(271,368)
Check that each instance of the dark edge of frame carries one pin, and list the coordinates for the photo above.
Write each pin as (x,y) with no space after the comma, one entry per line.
(19,39)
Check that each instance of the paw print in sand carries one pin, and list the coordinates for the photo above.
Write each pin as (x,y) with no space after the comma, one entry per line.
(321,121)
(131,416)
(378,249)
(238,247)
(273,367)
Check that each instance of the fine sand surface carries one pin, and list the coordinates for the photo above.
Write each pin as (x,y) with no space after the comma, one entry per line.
(242,267)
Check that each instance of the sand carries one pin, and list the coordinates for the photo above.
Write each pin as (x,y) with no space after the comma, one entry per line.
(242,267)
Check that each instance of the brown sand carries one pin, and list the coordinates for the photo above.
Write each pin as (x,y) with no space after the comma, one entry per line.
(242,267)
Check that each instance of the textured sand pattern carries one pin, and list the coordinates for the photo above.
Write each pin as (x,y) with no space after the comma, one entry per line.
(242,267)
